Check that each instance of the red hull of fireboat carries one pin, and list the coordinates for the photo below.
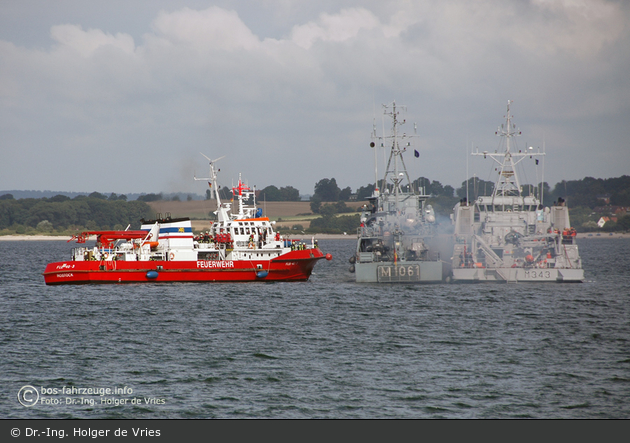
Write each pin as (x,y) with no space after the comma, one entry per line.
(293,266)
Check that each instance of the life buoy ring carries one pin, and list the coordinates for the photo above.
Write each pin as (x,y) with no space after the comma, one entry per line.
(105,255)
(171,256)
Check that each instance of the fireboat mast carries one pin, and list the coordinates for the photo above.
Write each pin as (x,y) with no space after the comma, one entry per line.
(222,208)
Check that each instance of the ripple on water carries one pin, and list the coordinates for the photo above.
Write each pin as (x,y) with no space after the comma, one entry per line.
(326,348)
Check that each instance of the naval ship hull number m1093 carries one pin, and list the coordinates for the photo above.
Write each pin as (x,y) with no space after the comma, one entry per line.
(399,273)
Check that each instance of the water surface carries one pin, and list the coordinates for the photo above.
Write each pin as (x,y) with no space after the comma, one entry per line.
(326,348)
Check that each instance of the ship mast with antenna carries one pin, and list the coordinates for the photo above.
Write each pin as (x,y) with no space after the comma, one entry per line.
(222,209)
(395,171)
(508,183)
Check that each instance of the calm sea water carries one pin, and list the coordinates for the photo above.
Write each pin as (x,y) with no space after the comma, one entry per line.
(326,348)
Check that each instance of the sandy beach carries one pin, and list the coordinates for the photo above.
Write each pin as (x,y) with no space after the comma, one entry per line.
(33,237)
(596,235)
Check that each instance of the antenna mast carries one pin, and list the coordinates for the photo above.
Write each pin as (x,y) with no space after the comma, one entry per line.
(221,210)
(508,183)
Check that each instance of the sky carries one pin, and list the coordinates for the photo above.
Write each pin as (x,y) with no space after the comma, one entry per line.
(123,96)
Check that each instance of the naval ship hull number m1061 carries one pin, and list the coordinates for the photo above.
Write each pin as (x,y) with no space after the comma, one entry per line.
(399,273)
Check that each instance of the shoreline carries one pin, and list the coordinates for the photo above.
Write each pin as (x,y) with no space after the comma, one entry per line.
(35,237)
(584,235)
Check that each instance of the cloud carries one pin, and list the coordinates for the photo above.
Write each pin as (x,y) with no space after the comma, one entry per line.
(580,27)
(339,27)
(86,43)
(211,29)
(298,107)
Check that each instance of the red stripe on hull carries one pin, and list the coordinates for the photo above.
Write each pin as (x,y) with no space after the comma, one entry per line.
(293,266)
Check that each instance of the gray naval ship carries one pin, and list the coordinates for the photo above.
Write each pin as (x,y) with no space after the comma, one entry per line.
(509,236)
(397,224)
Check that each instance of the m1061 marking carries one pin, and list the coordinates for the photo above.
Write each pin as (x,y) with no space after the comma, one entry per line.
(400,273)
(536,274)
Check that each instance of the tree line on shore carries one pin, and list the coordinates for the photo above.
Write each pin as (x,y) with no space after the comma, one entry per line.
(587,192)
(588,199)
(61,214)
